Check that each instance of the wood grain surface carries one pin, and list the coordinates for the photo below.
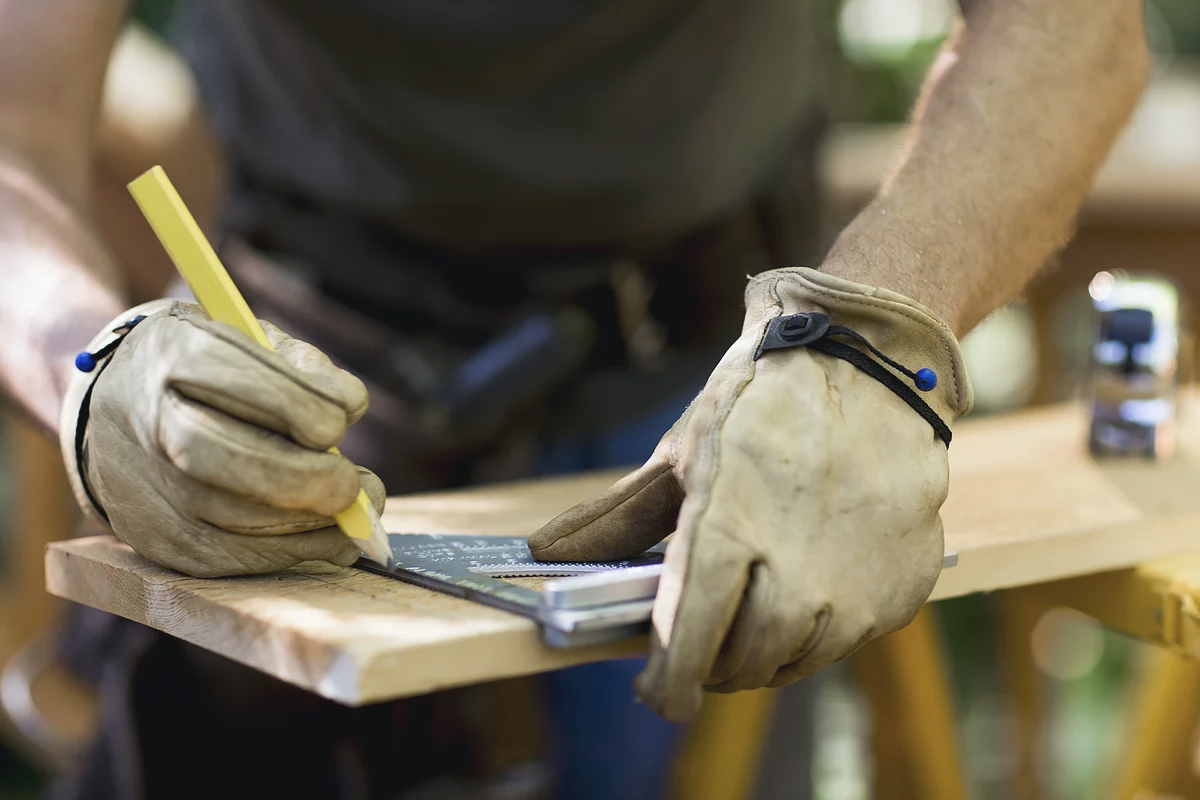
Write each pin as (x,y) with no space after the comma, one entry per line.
(1026,505)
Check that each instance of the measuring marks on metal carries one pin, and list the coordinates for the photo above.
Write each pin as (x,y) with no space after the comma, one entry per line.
(585,603)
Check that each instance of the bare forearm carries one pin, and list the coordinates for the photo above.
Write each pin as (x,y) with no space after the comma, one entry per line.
(58,287)
(1017,116)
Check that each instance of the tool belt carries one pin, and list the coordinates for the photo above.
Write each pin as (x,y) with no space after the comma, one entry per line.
(466,357)
(444,397)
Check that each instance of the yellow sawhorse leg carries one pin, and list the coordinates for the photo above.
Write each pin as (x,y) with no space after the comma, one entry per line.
(1159,758)
(916,750)
(1019,614)
(1158,602)
(915,746)
(721,757)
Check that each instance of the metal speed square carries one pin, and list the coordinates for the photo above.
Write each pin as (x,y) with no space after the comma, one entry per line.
(585,603)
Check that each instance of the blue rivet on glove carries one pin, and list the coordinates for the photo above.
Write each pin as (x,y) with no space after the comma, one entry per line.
(85,362)
(925,379)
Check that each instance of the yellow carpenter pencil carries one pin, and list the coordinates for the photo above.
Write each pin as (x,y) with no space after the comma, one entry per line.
(214,289)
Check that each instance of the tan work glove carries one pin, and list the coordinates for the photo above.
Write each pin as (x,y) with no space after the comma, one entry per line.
(803,495)
(206,451)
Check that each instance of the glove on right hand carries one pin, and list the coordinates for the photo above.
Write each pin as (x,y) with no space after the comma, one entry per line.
(208,453)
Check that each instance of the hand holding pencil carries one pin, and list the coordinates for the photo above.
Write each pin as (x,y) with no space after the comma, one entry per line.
(206,438)
(210,282)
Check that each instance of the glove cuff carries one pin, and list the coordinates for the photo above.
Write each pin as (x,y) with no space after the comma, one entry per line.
(72,418)
(897,326)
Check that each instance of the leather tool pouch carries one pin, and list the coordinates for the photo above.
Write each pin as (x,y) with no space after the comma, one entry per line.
(437,397)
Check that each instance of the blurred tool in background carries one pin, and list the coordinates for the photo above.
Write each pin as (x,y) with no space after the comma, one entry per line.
(1137,356)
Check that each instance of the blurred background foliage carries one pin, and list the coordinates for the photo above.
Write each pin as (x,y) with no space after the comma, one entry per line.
(154,14)
(886,46)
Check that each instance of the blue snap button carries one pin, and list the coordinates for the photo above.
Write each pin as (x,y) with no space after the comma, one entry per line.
(85,362)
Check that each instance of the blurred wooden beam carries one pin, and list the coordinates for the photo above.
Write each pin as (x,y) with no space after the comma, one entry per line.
(45,512)
(1152,176)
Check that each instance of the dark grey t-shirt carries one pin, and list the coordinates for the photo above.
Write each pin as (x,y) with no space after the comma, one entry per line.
(485,125)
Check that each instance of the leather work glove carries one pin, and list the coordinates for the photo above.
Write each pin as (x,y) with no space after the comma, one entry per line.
(206,452)
(803,493)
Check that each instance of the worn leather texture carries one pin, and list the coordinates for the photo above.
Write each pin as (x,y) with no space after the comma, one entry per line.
(209,453)
(803,495)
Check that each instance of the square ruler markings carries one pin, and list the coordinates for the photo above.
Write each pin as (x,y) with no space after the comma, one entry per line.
(586,603)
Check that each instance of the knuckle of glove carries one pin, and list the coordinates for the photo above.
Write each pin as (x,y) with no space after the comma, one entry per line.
(221,367)
(337,384)
(373,486)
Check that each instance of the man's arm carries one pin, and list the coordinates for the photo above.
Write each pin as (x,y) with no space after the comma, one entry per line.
(58,285)
(1016,117)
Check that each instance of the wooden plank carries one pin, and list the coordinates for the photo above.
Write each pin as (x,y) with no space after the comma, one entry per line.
(1026,505)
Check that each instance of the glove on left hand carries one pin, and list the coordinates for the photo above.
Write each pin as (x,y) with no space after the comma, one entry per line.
(804,495)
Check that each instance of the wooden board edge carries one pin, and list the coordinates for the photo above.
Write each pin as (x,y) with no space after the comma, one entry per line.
(352,676)
(225,632)
(1031,562)
(433,668)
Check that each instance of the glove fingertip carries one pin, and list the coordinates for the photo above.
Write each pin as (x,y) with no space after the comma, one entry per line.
(634,514)
(373,486)
(347,556)
(328,544)
(578,545)
(544,538)
(670,698)
(358,399)
(342,387)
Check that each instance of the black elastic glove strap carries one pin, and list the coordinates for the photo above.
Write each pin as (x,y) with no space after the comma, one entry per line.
(812,329)
(880,373)
(85,409)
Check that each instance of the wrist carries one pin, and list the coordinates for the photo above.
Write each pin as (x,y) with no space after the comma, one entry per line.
(71,333)
(886,322)
(76,398)
(903,274)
